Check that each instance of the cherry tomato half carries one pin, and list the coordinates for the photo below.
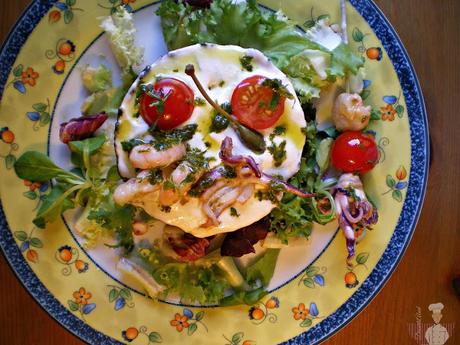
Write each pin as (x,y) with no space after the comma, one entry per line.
(251,104)
(173,105)
(354,151)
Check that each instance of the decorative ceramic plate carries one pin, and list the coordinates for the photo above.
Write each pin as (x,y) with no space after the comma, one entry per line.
(313,293)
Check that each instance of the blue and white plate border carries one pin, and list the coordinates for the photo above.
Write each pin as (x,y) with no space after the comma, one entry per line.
(371,286)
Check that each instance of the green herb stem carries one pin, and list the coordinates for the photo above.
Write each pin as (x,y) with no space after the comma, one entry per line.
(190,70)
(63,197)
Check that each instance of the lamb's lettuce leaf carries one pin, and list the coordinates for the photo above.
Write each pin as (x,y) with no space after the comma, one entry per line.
(84,186)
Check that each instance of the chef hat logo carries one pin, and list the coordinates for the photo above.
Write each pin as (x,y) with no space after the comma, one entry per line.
(436,308)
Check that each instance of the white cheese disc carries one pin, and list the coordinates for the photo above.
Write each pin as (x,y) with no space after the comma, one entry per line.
(219,69)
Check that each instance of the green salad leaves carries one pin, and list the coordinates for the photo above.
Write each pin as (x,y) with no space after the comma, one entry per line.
(84,186)
(294,216)
(212,279)
(302,56)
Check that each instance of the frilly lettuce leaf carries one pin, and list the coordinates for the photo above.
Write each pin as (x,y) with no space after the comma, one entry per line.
(322,34)
(312,59)
(304,89)
(120,30)
(344,62)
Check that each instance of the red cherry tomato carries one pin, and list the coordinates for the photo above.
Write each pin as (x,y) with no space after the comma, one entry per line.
(251,104)
(354,151)
(173,107)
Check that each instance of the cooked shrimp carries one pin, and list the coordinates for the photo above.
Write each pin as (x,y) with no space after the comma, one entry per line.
(350,113)
(147,157)
(133,188)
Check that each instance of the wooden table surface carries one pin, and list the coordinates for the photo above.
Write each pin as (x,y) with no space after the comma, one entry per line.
(431,33)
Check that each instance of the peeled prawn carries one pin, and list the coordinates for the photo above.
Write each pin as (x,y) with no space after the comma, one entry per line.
(147,157)
(133,188)
(350,113)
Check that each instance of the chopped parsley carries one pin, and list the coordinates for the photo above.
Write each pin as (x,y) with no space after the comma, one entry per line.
(278,131)
(203,184)
(234,212)
(196,159)
(228,171)
(199,102)
(207,180)
(193,193)
(278,152)
(128,145)
(271,193)
(189,178)
(246,62)
(155,176)
(219,122)
(196,162)
(163,140)
(279,90)
(158,97)
(168,184)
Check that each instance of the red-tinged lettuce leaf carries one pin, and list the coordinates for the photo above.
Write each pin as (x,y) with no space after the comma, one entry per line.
(241,242)
(198,3)
(81,128)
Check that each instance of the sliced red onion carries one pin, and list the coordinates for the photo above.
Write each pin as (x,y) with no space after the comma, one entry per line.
(343,199)
(208,180)
(81,128)
(213,189)
(212,219)
(227,156)
(373,218)
(266,179)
